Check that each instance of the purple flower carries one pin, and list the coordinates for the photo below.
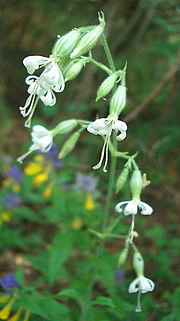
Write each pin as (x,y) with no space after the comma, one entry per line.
(15,173)
(9,283)
(119,275)
(13,200)
(52,156)
(86,182)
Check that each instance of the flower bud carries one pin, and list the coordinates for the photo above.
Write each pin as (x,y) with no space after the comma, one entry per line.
(69,144)
(123,257)
(106,86)
(73,69)
(118,101)
(64,127)
(88,41)
(138,263)
(122,179)
(136,184)
(65,44)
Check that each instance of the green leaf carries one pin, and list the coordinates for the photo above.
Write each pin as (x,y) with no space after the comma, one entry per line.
(71,293)
(102,300)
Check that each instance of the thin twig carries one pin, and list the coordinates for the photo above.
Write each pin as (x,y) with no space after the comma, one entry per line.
(154,92)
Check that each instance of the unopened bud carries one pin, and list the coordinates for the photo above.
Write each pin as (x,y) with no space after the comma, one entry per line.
(138,263)
(122,179)
(88,41)
(69,145)
(123,257)
(136,184)
(73,69)
(64,127)
(118,101)
(106,86)
(65,44)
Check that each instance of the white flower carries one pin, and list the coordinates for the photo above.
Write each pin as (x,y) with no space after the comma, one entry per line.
(41,87)
(35,62)
(141,284)
(42,139)
(131,207)
(104,127)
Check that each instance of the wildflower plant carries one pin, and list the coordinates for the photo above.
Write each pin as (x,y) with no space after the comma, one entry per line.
(70,55)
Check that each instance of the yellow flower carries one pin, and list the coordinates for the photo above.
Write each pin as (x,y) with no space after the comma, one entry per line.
(16,187)
(5,216)
(26,316)
(40,179)
(6,182)
(77,224)
(15,317)
(89,203)
(48,191)
(33,168)
(39,158)
(4,298)
(5,312)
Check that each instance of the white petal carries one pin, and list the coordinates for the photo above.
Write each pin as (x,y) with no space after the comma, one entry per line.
(145,284)
(34,62)
(121,136)
(134,286)
(49,99)
(119,205)
(145,208)
(30,79)
(131,208)
(119,125)
(40,131)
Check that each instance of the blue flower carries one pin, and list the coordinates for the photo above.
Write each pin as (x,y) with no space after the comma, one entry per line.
(9,283)
(52,157)
(86,182)
(15,173)
(13,200)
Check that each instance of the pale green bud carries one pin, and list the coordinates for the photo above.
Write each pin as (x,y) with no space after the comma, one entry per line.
(136,184)
(69,145)
(106,86)
(123,257)
(138,264)
(88,41)
(122,179)
(64,127)
(118,101)
(65,44)
(73,69)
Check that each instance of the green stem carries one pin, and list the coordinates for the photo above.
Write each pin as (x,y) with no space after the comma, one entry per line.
(108,53)
(100,65)
(104,225)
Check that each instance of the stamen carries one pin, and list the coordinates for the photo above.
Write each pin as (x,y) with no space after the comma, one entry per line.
(107,152)
(31,149)
(28,121)
(102,154)
(138,306)
(131,230)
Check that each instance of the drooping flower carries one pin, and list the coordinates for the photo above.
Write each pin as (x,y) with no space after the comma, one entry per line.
(131,207)
(141,284)
(42,139)
(43,87)
(104,127)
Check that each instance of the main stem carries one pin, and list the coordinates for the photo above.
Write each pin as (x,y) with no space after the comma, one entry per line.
(108,201)
(104,225)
